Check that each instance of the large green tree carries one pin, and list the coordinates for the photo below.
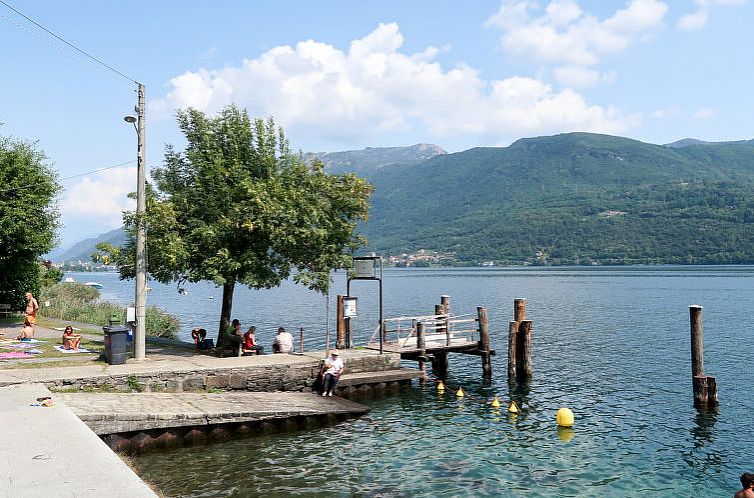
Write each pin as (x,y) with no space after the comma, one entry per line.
(28,217)
(237,206)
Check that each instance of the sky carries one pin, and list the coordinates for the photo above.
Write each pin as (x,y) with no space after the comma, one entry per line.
(343,75)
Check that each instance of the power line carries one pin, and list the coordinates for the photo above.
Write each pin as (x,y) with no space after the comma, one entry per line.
(95,59)
(93,172)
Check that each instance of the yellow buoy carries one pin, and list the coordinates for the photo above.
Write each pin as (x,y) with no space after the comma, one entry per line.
(440,386)
(564,417)
(459,393)
(513,408)
(495,403)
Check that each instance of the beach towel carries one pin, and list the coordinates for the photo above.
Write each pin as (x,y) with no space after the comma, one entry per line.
(20,345)
(14,355)
(80,350)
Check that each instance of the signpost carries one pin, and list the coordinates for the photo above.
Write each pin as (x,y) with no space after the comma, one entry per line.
(364,268)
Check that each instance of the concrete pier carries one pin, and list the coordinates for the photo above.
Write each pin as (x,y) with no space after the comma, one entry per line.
(48,451)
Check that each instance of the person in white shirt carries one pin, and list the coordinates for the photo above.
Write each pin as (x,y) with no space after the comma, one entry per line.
(331,371)
(283,342)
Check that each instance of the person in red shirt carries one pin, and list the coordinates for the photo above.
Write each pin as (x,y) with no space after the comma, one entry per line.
(250,342)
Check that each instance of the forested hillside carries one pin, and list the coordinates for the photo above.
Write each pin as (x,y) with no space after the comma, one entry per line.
(572,199)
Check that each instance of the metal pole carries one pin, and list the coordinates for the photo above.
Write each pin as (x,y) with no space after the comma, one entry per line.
(141,236)
(381,324)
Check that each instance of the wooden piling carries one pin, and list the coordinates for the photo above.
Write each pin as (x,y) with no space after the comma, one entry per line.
(421,345)
(440,364)
(341,325)
(301,340)
(704,387)
(697,342)
(519,309)
(484,340)
(524,348)
(512,349)
(445,302)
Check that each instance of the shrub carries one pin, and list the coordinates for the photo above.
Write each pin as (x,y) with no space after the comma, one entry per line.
(75,302)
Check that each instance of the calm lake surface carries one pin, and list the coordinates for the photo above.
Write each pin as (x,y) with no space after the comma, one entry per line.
(612,344)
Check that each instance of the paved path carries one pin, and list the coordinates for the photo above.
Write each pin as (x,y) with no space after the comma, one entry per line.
(48,451)
(107,413)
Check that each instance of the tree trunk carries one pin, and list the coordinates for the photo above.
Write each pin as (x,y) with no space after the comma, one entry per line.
(227,308)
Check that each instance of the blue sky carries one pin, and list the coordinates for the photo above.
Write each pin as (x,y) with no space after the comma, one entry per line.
(345,75)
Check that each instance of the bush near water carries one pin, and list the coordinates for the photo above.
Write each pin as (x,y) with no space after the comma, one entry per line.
(75,302)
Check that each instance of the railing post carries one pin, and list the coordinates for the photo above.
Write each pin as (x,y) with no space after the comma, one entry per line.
(301,340)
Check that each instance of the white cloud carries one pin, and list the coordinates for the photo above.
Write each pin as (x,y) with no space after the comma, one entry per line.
(319,92)
(100,199)
(698,19)
(581,77)
(563,34)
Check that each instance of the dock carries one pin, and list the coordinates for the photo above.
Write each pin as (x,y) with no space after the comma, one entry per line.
(49,451)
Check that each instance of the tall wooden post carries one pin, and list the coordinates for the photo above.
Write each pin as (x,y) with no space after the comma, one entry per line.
(445,301)
(524,348)
(519,309)
(697,343)
(440,364)
(484,340)
(301,340)
(512,349)
(341,325)
(421,345)
(705,387)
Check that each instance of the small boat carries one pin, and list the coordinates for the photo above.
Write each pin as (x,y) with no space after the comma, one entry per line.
(69,280)
(96,285)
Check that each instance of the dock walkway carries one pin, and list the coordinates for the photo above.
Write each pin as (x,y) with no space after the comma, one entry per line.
(107,413)
(48,451)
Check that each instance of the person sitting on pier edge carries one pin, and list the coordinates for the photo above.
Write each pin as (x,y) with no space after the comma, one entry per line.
(747,481)
(283,342)
(331,371)
(250,342)
(71,340)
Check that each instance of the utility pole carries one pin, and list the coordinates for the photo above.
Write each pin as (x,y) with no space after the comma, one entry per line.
(141,235)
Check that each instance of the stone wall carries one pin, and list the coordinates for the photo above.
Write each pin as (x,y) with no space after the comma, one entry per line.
(264,378)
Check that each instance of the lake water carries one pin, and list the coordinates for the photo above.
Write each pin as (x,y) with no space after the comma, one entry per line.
(612,344)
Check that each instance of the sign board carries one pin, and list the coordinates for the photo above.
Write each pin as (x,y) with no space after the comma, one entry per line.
(349,306)
(363,268)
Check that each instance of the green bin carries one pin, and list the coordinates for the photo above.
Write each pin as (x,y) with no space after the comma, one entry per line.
(116,341)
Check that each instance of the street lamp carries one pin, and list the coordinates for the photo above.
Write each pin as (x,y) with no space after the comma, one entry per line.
(141,232)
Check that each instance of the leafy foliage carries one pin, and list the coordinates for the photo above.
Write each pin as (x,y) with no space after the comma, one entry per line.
(236,206)
(75,302)
(28,218)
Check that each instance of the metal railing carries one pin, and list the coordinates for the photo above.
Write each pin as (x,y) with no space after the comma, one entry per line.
(399,334)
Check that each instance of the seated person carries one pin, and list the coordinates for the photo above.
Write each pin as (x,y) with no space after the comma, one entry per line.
(331,371)
(198,334)
(71,340)
(283,342)
(27,333)
(232,337)
(250,342)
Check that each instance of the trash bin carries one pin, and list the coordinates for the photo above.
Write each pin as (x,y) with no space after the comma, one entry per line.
(116,339)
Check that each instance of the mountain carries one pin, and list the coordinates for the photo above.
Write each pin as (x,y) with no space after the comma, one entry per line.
(83,250)
(687,142)
(367,161)
(575,198)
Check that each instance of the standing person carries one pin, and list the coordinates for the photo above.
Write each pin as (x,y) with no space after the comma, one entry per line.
(747,481)
(283,342)
(250,342)
(30,315)
(331,371)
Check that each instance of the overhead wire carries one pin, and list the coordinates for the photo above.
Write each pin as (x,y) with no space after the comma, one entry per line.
(60,38)
(93,172)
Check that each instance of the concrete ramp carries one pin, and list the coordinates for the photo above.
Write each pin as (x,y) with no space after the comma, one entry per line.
(48,451)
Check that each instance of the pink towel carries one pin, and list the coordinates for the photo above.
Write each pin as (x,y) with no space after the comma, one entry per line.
(14,354)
